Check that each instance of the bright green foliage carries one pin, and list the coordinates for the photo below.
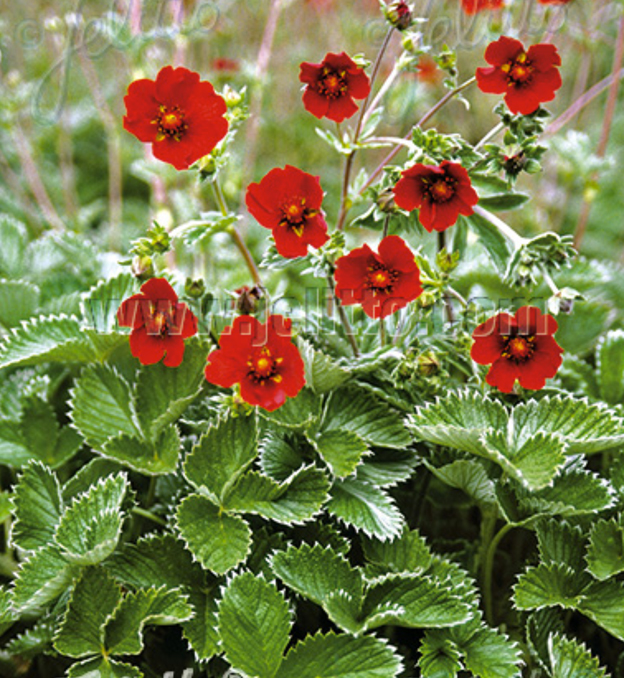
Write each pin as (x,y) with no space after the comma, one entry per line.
(605,553)
(341,450)
(366,508)
(254,614)
(89,529)
(19,300)
(103,667)
(610,367)
(340,656)
(529,441)
(38,507)
(101,302)
(321,373)
(569,659)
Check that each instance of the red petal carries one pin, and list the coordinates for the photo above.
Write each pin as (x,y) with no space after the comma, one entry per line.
(288,243)
(503,374)
(309,73)
(267,394)
(397,255)
(408,193)
(224,369)
(522,100)
(176,86)
(157,289)
(142,108)
(541,366)
(532,321)
(358,84)
(341,108)
(175,352)
(503,50)
(316,231)
(130,312)
(543,57)
(315,103)
(149,349)
(491,80)
(408,287)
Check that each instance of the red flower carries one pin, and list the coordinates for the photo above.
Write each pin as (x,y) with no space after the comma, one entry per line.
(159,323)
(474,6)
(180,116)
(427,70)
(261,358)
(520,347)
(225,64)
(288,201)
(332,85)
(526,78)
(440,193)
(383,283)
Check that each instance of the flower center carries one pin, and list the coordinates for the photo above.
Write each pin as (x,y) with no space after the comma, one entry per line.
(381,279)
(519,349)
(441,191)
(519,70)
(263,366)
(332,84)
(158,323)
(296,214)
(170,123)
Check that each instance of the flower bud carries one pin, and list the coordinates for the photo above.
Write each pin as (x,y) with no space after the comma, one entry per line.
(247,299)
(399,14)
(194,288)
(142,267)
(385,201)
(428,364)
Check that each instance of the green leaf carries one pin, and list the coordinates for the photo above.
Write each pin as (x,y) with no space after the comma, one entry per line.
(87,476)
(103,667)
(13,450)
(38,507)
(254,625)
(222,454)
(560,543)
(90,528)
(56,339)
(201,630)
(603,602)
(100,304)
(296,413)
(36,640)
(296,500)
(408,553)
(605,553)
(155,607)
(198,231)
(490,654)
(155,561)
(163,393)
(439,658)
(470,477)
(551,585)
(365,508)
(281,454)
(150,458)
(317,572)
(217,540)
(494,242)
(42,578)
(387,467)
(101,406)
(342,656)
(92,603)
(341,450)
(351,409)
(19,300)
(610,367)
(569,659)
(502,202)
(321,374)
(413,601)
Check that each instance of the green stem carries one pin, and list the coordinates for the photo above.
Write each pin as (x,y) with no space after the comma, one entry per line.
(150,516)
(490,135)
(488,569)
(343,317)
(342,213)
(236,236)
(504,228)
(550,282)
(428,115)
(382,332)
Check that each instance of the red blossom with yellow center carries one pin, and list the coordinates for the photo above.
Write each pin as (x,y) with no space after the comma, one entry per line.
(159,322)
(261,358)
(182,117)
(381,282)
(288,201)
(527,78)
(440,193)
(332,86)
(520,347)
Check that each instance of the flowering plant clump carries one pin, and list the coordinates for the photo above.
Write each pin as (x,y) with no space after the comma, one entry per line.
(312,381)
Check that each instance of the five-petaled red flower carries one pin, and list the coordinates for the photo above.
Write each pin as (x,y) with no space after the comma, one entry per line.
(527,78)
(474,6)
(519,347)
(261,357)
(159,322)
(180,116)
(332,85)
(288,201)
(383,283)
(440,193)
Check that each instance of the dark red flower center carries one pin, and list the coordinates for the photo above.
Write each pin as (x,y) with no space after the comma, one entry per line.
(295,214)
(159,323)
(440,190)
(170,123)
(518,348)
(381,279)
(262,366)
(519,70)
(332,84)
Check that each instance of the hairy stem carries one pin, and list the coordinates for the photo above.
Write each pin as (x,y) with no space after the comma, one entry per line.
(488,570)
(343,317)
